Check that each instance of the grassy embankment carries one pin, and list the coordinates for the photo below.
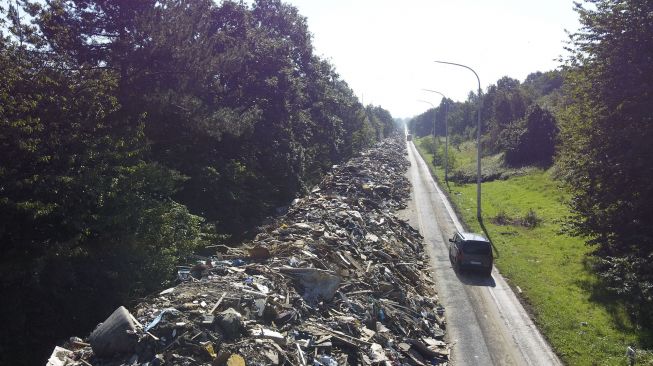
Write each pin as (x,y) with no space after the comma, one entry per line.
(584,325)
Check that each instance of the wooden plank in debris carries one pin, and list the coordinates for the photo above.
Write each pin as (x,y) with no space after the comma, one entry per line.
(342,258)
(215,307)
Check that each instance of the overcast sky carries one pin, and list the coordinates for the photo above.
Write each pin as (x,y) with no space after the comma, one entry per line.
(384,48)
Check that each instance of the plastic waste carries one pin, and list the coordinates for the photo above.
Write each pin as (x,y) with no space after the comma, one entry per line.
(158,318)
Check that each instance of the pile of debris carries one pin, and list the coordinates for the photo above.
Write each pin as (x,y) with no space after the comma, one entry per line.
(337,280)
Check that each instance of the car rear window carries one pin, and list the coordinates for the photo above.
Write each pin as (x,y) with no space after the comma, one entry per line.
(477,247)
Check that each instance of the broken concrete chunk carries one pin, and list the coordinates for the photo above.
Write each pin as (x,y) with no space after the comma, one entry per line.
(427,350)
(231,323)
(366,333)
(116,335)
(277,337)
(260,304)
(286,317)
(157,361)
(377,353)
(272,356)
(167,291)
(317,284)
(208,320)
(302,226)
(326,360)
(60,357)
(259,253)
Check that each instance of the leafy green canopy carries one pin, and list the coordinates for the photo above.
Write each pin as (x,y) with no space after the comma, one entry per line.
(531,140)
(517,119)
(134,132)
(83,218)
(606,143)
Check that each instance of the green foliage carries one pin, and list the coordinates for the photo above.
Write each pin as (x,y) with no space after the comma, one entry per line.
(133,133)
(502,218)
(462,160)
(551,269)
(503,118)
(584,325)
(503,104)
(530,141)
(540,84)
(531,220)
(606,144)
(456,141)
(85,222)
(425,123)
(429,143)
(440,157)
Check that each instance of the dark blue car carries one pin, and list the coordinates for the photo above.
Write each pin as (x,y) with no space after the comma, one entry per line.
(470,251)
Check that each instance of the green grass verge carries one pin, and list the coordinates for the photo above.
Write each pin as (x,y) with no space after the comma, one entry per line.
(584,325)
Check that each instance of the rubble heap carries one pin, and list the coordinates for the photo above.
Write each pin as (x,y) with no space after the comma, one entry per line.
(337,280)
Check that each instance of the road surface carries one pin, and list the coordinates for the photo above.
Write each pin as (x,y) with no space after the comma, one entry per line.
(486,323)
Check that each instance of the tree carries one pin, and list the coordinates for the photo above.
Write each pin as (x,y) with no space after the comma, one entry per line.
(133,132)
(85,222)
(607,133)
(539,84)
(503,104)
(532,140)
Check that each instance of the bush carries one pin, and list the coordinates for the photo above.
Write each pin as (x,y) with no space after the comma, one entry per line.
(531,220)
(502,218)
(531,140)
(429,144)
(439,158)
(456,141)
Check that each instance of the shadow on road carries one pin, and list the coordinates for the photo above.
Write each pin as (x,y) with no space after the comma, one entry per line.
(473,278)
(487,235)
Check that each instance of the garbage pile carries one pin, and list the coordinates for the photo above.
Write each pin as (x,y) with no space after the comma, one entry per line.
(338,280)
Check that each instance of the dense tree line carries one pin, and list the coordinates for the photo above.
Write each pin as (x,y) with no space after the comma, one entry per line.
(606,146)
(134,132)
(516,118)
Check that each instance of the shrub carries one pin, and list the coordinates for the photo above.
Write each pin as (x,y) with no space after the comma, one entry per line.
(428,144)
(502,218)
(530,140)
(439,157)
(531,219)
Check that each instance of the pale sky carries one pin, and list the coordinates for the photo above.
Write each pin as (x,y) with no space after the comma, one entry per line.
(384,48)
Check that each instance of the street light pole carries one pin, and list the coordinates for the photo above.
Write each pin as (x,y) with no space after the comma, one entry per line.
(446,134)
(478,138)
(432,105)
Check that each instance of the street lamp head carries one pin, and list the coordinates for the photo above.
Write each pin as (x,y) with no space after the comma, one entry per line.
(435,91)
(425,101)
(478,136)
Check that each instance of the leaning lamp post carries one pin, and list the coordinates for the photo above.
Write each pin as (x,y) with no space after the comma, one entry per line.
(446,134)
(478,138)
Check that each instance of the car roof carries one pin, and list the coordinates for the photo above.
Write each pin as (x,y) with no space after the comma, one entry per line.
(472,236)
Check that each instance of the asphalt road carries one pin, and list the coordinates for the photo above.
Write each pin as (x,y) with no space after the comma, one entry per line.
(486,323)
